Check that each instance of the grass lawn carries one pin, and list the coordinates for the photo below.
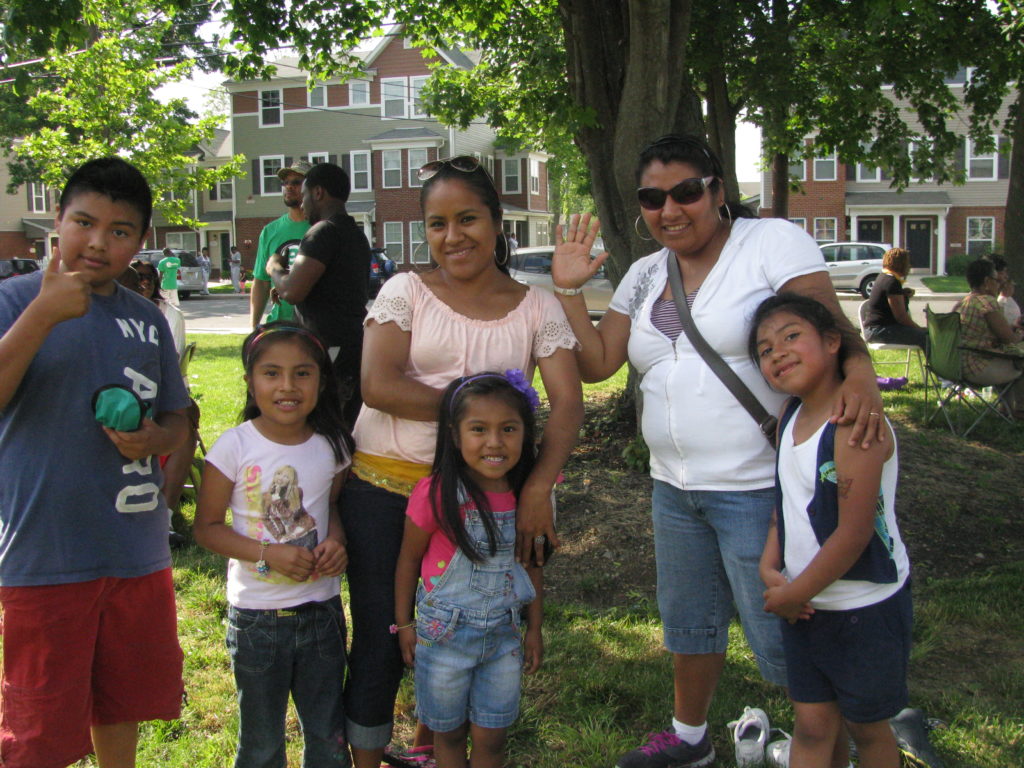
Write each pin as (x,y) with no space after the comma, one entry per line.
(606,680)
(946,283)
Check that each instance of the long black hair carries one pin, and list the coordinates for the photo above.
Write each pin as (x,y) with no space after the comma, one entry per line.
(692,150)
(450,476)
(480,183)
(325,418)
(813,311)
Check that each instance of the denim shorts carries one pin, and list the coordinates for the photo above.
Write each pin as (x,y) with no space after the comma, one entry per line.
(857,658)
(467,669)
(707,546)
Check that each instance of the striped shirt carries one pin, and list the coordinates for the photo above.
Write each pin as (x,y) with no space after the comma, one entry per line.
(665,318)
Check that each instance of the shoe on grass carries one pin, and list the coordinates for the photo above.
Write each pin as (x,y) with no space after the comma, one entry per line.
(666,750)
(750,737)
(413,757)
(776,754)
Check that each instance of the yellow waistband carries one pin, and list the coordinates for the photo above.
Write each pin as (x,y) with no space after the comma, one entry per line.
(392,475)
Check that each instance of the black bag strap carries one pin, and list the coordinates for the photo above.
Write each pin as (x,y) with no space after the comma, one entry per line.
(765,421)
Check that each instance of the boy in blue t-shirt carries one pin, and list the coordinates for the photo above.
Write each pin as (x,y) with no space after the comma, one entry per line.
(90,640)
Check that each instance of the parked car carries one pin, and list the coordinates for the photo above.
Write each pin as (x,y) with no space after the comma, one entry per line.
(854,266)
(17,266)
(190,274)
(532,266)
(381,269)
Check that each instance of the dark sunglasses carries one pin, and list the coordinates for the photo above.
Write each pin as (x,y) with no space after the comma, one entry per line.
(464,163)
(685,192)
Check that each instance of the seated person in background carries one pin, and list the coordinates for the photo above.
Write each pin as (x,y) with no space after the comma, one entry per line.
(983,327)
(1006,287)
(886,319)
(149,287)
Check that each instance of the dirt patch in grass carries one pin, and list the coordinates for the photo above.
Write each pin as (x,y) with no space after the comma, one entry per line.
(959,504)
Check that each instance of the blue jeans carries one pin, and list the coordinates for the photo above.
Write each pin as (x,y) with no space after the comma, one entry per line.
(707,545)
(302,652)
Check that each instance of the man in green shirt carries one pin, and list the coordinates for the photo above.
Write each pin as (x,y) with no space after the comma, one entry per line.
(283,236)
(168,267)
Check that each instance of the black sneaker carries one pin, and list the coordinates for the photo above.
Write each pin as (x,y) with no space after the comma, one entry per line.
(666,750)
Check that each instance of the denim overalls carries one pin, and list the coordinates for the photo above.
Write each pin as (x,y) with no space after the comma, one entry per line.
(468,645)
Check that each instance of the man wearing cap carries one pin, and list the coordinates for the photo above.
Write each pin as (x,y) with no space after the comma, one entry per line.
(281,236)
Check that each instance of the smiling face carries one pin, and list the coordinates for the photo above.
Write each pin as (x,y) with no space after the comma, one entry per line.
(98,238)
(490,438)
(285,385)
(461,232)
(684,229)
(794,357)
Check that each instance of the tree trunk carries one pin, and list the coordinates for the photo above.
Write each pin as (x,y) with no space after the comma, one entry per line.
(626,60)
(780,186)
(1013,241)
(722,129)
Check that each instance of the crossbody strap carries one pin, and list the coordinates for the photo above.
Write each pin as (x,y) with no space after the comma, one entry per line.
(765,421)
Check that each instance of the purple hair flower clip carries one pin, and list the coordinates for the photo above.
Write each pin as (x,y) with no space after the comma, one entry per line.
(518,380)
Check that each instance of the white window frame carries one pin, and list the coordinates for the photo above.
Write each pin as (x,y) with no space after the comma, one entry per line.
(226,190)
(355,172)
(182,241)
(506,188)
(992,157)
(263,108)
(400,242)
(310,99)
(831,159)
(362,92)
(40,197)
(801,222)
(419,253)
(318,157)
(490,165)
(803,169)
(820,228)
(990,241)
(387,166)
(272,177)
(534,176)
(416,162)
(403,86)
(416,83)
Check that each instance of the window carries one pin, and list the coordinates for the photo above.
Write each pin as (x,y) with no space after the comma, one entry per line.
(393,240)
(358,92)
(270,108)
(269,166)
(825,230)
(416,85)
(392,97)
(490,165)
(39,199)
(798,169)
(534,176)
(510,177)
(317,96)
(800,222)
(543,234)
(183,241)
(417,243)
(317,157)
(360,164)
(825,168)
(223,190)
(417,159)
(981,165)
(980,235)
(391,161)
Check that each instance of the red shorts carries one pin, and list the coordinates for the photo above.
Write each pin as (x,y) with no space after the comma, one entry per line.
(76,655)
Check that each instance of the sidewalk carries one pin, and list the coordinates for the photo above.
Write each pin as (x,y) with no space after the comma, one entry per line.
(913,281)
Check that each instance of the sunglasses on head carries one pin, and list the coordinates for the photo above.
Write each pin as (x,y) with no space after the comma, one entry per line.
(685,192)
(464,163)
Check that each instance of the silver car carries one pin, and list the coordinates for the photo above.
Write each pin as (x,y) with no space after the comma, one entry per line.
(190,274)
(532,266)
(854,266)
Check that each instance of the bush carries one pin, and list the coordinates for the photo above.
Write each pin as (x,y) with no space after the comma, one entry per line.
(957,264)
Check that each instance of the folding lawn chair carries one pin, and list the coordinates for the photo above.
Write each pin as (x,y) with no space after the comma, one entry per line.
(886,346)
(195,471)
(957,399)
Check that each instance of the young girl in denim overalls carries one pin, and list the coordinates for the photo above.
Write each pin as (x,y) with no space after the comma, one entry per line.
(459,539)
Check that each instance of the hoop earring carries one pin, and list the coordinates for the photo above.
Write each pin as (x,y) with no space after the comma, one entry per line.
(636,227)
(728,213)
(498,261)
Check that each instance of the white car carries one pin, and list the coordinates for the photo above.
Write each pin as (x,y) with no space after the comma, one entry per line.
(190,274)
(854,266)
(532,266)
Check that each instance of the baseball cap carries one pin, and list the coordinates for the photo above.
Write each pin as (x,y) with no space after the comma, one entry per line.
(300,167)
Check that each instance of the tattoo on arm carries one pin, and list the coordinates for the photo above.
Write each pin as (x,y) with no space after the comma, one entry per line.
(844,484)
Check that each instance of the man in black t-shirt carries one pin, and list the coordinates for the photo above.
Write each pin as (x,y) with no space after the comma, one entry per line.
(329,282)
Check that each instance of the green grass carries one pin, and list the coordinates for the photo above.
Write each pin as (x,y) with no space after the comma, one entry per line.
(946,284)
(606,679)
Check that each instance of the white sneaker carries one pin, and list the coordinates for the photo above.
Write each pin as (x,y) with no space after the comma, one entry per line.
(750,736)
(777,753)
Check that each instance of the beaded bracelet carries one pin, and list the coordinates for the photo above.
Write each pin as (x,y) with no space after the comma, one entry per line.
(261,565)
(393,629)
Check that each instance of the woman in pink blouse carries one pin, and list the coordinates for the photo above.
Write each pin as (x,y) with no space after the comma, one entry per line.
(464,316)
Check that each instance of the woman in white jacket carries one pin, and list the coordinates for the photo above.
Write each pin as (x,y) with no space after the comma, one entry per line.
(713,470)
